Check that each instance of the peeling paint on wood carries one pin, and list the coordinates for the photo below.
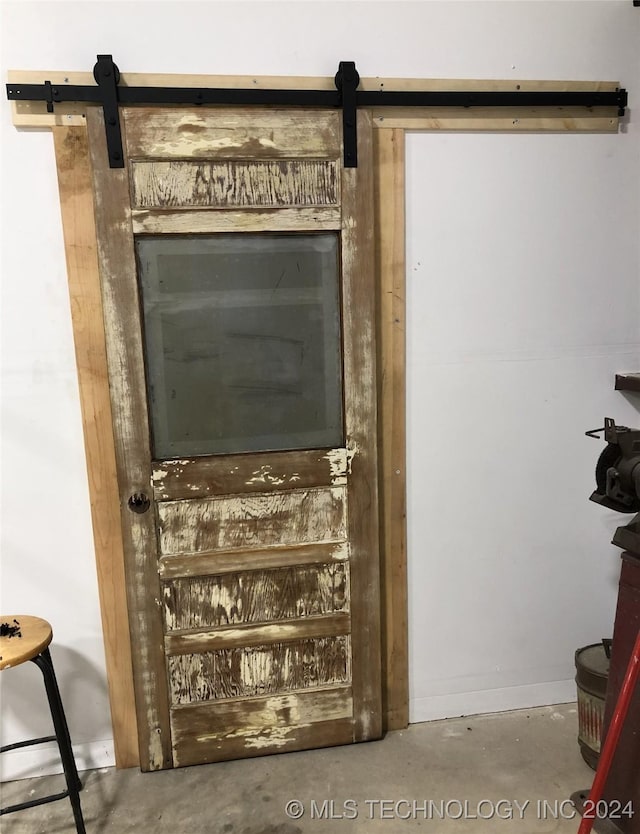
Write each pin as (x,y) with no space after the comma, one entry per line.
(228,184)
(193,747)
(256,596)
(241,133)
(264,475)
(230,637)
(271,737)
(352,451)
(359,287)
(218,562)
(245,521)
(262,472)
(131,435)
(233,673)
(205,221)
(206,722)
(337,459)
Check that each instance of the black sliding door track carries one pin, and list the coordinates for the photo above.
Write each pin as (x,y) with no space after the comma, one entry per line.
(346,96)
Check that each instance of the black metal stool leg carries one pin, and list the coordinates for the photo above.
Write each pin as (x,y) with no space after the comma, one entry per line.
(74,785)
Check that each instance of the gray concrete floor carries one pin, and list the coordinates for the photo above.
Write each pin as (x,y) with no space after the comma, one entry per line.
(443,776)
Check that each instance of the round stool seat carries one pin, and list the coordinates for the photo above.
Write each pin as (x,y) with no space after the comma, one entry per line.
(36,636)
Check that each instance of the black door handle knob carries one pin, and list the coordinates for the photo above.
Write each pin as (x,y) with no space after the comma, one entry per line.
(138,502)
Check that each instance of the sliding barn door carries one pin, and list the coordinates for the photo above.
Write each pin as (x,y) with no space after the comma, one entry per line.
(236,257)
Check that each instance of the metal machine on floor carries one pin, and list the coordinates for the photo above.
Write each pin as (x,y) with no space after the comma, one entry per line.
(618,488)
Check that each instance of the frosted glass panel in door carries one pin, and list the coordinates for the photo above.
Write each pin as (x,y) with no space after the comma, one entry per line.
(242,342)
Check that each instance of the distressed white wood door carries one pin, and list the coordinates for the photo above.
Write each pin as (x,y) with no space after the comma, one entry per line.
(236,258)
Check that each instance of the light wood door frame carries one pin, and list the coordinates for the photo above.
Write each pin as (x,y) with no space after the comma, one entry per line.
(76,199)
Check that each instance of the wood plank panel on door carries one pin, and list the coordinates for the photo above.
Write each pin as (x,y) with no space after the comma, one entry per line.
(256,596)
(186,184)
(253,520)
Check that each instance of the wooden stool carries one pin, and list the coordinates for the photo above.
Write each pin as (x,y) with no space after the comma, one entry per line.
(33,646)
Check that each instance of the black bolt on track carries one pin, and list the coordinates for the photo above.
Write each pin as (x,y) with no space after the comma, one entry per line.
(346,96)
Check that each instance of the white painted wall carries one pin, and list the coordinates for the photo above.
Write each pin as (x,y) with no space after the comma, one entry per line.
(520,310)
(522,299)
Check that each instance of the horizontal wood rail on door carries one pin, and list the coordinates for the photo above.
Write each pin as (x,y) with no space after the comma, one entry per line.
(68,125)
